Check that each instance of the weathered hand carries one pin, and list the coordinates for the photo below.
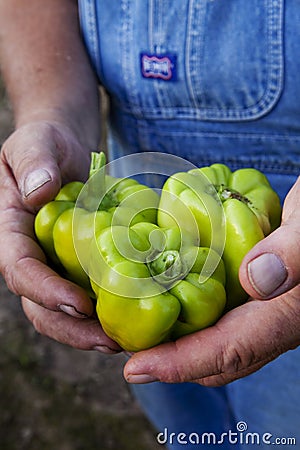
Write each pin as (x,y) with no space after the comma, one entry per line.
(249,336)
(35,160)
(84,334)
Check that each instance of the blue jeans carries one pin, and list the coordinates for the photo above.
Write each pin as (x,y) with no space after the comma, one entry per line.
(208,81)
(259,410)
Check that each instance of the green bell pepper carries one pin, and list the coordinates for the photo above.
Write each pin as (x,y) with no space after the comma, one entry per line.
(154,284)
(231,212)
(65,226)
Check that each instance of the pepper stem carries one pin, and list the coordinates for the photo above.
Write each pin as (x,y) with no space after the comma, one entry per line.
(95,186)
(225,193)
(167,268)
(98,161)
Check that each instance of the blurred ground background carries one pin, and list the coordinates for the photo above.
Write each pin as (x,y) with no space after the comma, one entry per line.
(53,397)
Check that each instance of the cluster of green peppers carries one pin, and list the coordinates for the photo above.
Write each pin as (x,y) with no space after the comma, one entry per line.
(161,266)
(152,284)
(65,226)
(232,212)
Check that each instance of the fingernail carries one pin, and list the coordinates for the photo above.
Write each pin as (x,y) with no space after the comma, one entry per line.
(141,378)
(35,180)
(266,273)
(71,311)
(105,349)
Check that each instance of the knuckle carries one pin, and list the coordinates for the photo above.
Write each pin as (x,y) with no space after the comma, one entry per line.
(235,358)
(175,376)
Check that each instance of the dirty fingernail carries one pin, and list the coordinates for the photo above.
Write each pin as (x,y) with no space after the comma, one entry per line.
(71,311)
(35,180)
(141,378)
(266,273)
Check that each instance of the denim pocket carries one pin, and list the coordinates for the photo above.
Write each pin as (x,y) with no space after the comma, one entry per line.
(235,58)
(228,53)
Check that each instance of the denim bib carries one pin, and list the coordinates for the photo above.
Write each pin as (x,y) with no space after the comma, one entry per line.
(206,80)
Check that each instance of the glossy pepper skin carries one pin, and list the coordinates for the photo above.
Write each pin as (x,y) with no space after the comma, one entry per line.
(154,284)
(65,226)
(231,212)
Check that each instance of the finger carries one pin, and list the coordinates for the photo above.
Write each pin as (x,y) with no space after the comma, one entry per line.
(30,155)
(41,157)
(272,267)
(22,261)
(30,276)
(82,334)
(241,342)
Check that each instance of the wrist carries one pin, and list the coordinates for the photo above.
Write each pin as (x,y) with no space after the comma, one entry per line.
(85,127)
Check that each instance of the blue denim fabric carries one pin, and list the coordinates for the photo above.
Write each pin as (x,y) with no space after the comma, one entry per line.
(235,99)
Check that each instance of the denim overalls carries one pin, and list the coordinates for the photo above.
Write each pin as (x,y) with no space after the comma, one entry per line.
(208,81)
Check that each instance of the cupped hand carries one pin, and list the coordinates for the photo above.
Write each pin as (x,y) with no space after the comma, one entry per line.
(250,336)
(34,162)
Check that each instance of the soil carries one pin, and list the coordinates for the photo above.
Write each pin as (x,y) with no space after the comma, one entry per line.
(54,397)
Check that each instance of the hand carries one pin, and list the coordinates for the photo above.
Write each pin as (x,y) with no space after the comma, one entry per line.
(35,160)
(249,336)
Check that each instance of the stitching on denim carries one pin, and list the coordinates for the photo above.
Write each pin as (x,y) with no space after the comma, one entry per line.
(187,53)
(158,39)
(275,70)
(159,12)
(271,165)
(127,36)
(151,25)
(88,17)
(193,60)
(229,135)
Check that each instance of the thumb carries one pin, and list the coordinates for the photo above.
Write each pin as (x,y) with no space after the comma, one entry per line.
(36,154)
(272,267)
